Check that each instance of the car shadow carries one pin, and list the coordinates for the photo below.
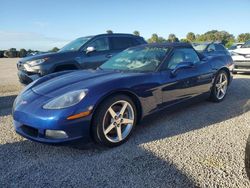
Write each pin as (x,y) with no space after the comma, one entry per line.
(188,117)
(36,165)
(93,166)
(6,103)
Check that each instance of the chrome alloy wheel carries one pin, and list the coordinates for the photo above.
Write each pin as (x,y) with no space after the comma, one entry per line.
(221,86)
(118,121)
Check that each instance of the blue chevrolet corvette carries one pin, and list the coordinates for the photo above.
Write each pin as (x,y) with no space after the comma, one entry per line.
(106,104)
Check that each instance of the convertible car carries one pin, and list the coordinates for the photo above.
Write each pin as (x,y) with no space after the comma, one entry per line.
(106,104)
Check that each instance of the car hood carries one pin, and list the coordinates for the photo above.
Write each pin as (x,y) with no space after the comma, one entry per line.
(243,51)
(75,80)
(51,55)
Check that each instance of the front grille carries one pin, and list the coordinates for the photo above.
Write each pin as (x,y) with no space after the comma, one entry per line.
(242,61)
(30,131)
(242,67)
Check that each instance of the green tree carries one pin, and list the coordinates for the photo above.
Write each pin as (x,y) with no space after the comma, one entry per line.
(137,33)
(1,53)
(109,31)
(184,40)
(190,37)
(243,37)
(11,53)
(154,38)
(55,49)
(214,35)
(172,38)
(161,40)
(22,53)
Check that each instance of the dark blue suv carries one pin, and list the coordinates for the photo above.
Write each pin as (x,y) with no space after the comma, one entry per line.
(83,53)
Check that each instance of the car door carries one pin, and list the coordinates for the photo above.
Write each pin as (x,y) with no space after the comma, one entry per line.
(97,57)
(187,82)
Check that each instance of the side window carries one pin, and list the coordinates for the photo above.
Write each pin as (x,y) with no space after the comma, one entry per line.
(135,42)
(211,48)
(219,47)
(100,44)
(183,55)
(120,43)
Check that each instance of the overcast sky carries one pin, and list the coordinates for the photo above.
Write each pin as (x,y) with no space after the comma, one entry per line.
(44,24)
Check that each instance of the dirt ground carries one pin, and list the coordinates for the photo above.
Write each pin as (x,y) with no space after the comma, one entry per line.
(200,145)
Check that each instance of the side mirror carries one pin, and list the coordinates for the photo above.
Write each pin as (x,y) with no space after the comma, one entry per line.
(182,65)
(211,50)
(90,49)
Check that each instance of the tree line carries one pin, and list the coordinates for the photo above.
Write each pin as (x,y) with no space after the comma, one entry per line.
(224,37)
(12,52)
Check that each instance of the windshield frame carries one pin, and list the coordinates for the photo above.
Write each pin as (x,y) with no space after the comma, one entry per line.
(89,38)
(157,69)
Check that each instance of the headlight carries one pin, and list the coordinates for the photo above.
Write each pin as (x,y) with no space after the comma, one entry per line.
(66,100)
(36,62)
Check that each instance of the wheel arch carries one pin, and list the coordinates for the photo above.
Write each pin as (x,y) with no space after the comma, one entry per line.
(227,71)
(130,94)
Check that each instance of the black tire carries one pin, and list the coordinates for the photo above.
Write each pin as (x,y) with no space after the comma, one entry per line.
(97,127)
(213,95)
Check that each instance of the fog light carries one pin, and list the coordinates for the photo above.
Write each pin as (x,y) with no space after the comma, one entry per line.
(56,134)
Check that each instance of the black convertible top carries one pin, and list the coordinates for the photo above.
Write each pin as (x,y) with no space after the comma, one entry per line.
(169,44)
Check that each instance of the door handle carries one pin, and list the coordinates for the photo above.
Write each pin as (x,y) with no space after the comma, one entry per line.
(109,55)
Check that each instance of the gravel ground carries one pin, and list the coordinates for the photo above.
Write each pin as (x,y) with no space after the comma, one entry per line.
(201,145)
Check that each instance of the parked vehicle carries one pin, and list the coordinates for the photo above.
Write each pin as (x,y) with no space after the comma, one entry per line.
(210,49)
(106,104)
(235,46)
(82,53)
(241,58)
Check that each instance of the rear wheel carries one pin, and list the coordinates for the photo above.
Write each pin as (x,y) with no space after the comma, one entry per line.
(114,121)
(219,89)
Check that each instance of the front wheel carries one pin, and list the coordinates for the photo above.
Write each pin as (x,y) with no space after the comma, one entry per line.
(219,89)
(114,121)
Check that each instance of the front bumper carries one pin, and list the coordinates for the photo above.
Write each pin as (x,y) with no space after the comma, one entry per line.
(27,77)
(241,66)
(34,128)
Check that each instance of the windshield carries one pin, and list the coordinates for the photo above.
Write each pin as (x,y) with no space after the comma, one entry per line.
(200,47)
(142,59)
(246,45)
(233,47)
(75,44)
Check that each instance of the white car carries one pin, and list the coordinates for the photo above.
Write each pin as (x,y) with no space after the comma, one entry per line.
(235,46)
(241,58)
